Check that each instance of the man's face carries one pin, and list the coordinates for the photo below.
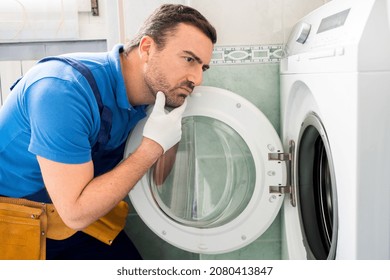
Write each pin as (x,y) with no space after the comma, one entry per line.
(179,66)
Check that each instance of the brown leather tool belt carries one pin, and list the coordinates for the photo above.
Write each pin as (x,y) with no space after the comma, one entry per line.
(25,225)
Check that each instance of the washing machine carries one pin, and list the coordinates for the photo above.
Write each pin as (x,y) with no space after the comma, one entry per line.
(227,179)
(335,92)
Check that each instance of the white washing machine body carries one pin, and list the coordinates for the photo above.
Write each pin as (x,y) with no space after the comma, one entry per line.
(222,190)
(334,97)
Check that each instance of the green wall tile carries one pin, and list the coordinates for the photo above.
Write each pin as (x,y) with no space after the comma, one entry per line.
(152,247)
(258,83)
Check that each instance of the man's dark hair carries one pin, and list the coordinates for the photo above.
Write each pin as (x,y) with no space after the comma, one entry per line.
(164,21)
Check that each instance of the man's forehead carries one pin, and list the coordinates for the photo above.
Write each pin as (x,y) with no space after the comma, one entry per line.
(188,38)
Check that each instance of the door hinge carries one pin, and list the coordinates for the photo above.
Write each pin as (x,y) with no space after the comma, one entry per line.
(290,186)
(280,189)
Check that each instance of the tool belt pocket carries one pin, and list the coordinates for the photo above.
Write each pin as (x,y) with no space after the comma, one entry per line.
(23,225)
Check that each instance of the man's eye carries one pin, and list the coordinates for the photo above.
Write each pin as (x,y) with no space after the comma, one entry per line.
(189,59)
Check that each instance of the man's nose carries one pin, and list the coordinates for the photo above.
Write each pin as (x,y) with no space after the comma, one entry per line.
(196,76)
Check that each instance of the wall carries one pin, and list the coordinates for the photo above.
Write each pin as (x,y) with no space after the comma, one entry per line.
(250,38)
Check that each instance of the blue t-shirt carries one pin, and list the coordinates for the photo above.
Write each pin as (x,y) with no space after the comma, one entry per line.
(52,112)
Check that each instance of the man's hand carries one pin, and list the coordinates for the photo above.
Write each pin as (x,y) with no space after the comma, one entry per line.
(164,128)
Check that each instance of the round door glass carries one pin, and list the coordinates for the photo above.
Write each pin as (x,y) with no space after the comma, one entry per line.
(208,178)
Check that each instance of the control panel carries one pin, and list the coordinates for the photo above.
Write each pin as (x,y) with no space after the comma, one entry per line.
(340,36)
(333,24)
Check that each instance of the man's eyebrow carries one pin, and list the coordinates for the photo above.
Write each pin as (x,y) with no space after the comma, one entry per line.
(205,66)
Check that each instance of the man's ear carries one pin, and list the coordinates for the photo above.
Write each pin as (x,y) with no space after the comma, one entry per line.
(144,47)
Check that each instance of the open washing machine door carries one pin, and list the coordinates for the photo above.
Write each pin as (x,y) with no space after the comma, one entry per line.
(217,194)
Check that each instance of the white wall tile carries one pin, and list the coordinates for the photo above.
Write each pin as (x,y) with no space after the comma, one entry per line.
(136,11)
(244,22)
(253,22)
(241,22)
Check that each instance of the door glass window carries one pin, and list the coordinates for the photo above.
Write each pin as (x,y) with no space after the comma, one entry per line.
(208,178)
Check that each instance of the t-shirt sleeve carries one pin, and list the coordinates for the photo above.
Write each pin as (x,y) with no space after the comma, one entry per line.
(62,121)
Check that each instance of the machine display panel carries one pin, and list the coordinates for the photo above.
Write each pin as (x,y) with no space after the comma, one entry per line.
(333,21)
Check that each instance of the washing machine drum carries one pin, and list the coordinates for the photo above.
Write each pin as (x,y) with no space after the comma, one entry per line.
(210,193)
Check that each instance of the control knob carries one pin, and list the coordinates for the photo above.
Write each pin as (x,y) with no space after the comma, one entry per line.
(303,31)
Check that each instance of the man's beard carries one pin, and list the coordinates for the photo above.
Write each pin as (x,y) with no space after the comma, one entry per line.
(156,81)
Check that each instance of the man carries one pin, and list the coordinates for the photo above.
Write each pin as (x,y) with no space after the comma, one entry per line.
(52,125)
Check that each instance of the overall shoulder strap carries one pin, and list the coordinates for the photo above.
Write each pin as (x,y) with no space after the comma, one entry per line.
(84,70)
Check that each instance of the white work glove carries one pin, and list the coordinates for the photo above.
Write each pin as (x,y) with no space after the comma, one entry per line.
(162,127)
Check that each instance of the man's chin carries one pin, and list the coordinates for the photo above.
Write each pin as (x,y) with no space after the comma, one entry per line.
(179,100)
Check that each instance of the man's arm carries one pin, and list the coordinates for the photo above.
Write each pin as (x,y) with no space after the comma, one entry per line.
(81,199)
(164,165)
